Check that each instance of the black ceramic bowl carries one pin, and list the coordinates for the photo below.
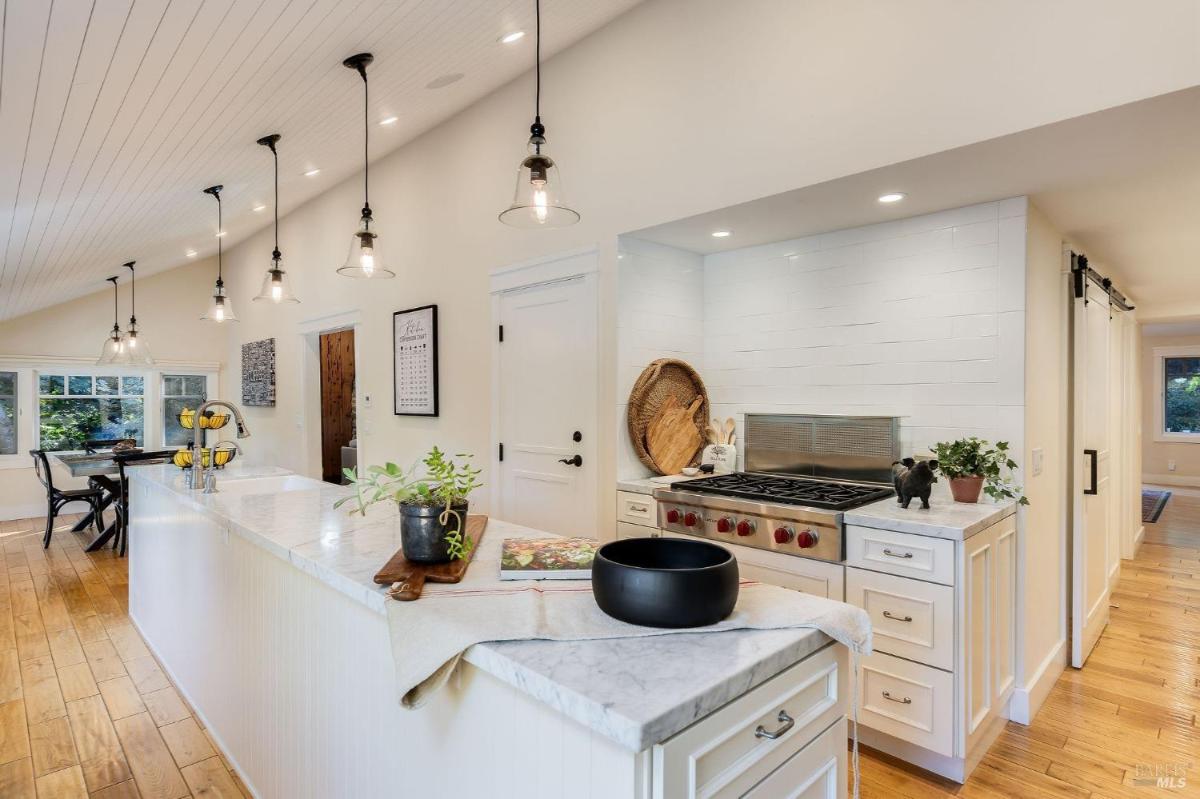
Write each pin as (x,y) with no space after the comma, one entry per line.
(665,582)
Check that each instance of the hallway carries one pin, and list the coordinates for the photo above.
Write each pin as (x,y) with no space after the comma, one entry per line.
(1133,706)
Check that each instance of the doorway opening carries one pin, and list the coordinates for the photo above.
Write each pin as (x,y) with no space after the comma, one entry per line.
(339,435)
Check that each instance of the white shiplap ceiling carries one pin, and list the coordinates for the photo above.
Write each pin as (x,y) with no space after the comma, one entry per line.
(114,114)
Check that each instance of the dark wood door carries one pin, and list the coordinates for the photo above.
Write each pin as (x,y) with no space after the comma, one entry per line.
(337,401)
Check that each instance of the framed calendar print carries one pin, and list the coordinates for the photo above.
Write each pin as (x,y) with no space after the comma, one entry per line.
(415,352)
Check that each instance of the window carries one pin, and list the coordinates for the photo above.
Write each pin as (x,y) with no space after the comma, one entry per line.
(179,392)
(1181,394)
(8,413)
(73,408)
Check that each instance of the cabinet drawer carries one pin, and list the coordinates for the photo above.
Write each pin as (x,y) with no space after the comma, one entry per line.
(910,701)
(818,771)
(910,618)
(725,754)
(627,530)
(905,554)
(637,509)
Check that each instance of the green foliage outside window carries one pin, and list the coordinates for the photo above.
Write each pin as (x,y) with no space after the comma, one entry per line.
(1182,395)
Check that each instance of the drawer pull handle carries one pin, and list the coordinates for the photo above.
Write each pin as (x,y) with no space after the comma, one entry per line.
(638,509)
(887,614)
(904,701)
(902,555)
(786,723)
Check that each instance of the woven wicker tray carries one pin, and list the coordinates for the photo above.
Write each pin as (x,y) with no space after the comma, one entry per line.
(661,379)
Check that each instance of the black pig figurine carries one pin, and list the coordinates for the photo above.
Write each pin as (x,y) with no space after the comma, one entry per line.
(913,479)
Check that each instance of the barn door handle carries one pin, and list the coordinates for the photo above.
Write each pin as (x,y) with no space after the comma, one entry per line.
(576,461)
(1091,453)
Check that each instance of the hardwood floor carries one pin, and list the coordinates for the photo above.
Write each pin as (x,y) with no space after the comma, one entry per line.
(1133,706)
(85,709)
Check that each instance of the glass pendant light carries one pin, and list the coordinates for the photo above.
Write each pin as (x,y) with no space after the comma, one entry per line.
(538,200)
(114,344)
(276,287)
(136,352)
(364,260)
(221,309)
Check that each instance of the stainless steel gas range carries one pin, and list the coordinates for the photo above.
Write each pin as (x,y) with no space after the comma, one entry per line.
(802,472)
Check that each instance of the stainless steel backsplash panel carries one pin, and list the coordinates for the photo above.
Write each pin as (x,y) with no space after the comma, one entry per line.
(838,447)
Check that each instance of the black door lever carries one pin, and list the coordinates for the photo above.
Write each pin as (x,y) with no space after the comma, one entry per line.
(576,461)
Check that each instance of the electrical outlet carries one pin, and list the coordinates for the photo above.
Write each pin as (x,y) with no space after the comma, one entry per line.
(1038,456)
(1170,466)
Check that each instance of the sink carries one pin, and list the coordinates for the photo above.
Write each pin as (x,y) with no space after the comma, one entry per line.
(265,485)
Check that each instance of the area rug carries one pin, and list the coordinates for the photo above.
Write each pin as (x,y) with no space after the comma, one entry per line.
(1153,502)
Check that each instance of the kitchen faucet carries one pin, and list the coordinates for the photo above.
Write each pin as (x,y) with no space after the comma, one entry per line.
(199,478)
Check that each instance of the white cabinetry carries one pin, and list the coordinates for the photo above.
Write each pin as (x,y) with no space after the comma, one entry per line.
(935,691)
(637,515)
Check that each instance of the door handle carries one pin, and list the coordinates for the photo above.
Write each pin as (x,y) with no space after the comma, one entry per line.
(1091,453)
(786,723)
(576,461)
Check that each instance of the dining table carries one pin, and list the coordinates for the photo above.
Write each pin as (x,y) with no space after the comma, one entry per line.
(103,471)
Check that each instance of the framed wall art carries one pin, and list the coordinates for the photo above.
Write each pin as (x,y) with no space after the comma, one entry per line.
(415,355)
(258,373)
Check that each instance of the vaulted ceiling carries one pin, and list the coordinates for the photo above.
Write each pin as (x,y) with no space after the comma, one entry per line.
(114,114)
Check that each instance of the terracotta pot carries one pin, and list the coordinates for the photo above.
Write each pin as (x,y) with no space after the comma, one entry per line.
(966,489)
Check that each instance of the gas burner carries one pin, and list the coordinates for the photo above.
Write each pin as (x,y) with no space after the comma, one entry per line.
(808,491)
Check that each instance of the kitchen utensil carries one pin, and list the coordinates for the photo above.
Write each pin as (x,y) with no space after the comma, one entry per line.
(413,576)
(673,438)
(662,378)
(665,582)
(728,437)
(714,432)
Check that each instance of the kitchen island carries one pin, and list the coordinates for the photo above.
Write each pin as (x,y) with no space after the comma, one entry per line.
(259,601)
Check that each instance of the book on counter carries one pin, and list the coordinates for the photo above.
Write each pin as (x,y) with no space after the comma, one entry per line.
(547,558)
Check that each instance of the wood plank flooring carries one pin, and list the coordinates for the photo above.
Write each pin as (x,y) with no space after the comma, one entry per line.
(85,710)
(1134,705)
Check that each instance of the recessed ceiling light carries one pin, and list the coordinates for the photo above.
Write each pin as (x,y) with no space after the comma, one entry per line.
(259,208)
(892,197)
(722,234)
(444,80)
(190,253)
(312,172)
(389,120)
(514,36)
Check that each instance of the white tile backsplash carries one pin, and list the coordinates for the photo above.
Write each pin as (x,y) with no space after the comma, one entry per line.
(921,318)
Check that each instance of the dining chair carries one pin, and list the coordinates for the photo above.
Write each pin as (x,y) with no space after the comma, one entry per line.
(121,540)
(56,498)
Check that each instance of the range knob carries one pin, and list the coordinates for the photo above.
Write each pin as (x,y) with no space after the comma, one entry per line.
(745,527)
(784,534)
(672,516)
(807,539)
(724,525)
(690,519)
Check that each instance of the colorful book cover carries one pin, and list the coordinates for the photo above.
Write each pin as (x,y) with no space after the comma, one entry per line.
(547,558)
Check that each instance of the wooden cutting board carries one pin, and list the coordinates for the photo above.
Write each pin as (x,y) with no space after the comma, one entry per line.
(413,576)
(672,438)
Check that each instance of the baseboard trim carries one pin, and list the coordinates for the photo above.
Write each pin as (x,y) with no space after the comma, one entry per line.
(26,510)
(1171,480)
(1027,699)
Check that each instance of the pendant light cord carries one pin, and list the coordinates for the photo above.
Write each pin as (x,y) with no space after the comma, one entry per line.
(537,61)
(220,281)
(366,143)
(277,254)
(132,294)
(116,309)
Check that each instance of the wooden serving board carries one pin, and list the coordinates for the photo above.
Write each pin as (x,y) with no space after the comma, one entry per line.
(413,576)
(673,438)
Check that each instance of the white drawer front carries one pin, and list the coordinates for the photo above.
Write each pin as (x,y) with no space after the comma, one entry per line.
(637,509)
(627,530)
(909,701)
(910,618)
(919,556)
(724,754)
(818,771)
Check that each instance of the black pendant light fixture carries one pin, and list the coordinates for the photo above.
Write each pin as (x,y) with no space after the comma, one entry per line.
(114,344)
(220,309)
(276,287)
(136,352)
(538,200)
(364,260)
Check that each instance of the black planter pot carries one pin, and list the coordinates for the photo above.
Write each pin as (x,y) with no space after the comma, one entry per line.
(665,582)
(422,534)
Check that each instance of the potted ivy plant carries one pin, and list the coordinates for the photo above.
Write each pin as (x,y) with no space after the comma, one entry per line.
(973,465)
(433,503)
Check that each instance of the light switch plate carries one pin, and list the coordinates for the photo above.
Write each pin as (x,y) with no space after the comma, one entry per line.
(1038,457)
(1170,466)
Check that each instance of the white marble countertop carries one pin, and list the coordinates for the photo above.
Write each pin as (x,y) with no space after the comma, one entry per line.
(647,485)
(944,519)
(636,691)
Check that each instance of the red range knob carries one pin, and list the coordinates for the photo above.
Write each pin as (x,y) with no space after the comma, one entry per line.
(725,525)
(783,535)
(673,516)
(745,527)
(690,519)
(806,539)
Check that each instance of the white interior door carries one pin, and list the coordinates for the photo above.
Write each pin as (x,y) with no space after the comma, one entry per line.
(1091,504)
(547,366)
